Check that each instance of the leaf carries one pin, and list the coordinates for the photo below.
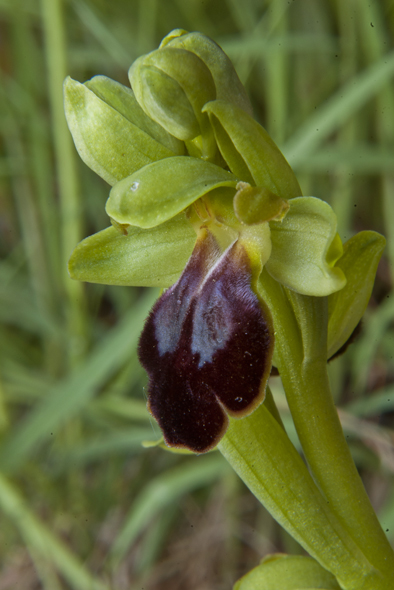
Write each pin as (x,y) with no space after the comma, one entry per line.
(287,572)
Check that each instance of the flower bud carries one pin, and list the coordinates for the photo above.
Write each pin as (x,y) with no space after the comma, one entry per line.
(113,140)
(122,99)
(228,85)
(172,85)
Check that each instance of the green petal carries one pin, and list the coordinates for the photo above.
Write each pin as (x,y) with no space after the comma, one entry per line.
(346,307)
(107,142)
(122,99)
(146,258)
(287,572)
(249,151)
(163,189)
(305,248)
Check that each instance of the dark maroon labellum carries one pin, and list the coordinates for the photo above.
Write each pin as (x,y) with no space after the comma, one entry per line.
(207,347)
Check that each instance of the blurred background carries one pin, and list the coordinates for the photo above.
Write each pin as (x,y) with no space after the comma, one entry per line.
(84,506)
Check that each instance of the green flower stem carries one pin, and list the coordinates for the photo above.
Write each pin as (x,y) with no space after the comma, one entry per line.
(303,370)
(261,453)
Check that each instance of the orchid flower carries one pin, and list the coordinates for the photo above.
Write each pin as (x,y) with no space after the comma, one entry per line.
(207,216)
(204,205)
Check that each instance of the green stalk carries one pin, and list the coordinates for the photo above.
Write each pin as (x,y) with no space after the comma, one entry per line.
(33,189)
(277,72)
(30,78)
(66,172)
(25,206)
(342,196)
(303,369)
(261,453)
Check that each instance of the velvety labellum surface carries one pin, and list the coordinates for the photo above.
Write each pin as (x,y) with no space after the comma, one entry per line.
(207,347)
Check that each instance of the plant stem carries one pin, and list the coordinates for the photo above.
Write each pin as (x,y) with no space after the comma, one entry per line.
(261,453)
(316,419)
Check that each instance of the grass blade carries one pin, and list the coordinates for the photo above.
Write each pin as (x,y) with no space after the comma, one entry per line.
(337,109)
(44,541)
(164,490)
(71,395)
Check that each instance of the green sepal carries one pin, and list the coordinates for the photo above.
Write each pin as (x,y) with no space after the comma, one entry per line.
(169,94)
(249,151)
(110,144)
(255,204)
(228,85)
(346,307)
(305,248)
(287,572)
(163,189)
(146,258)
(122,99)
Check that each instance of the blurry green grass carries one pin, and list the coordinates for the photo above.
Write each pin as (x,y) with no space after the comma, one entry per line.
(83,504)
